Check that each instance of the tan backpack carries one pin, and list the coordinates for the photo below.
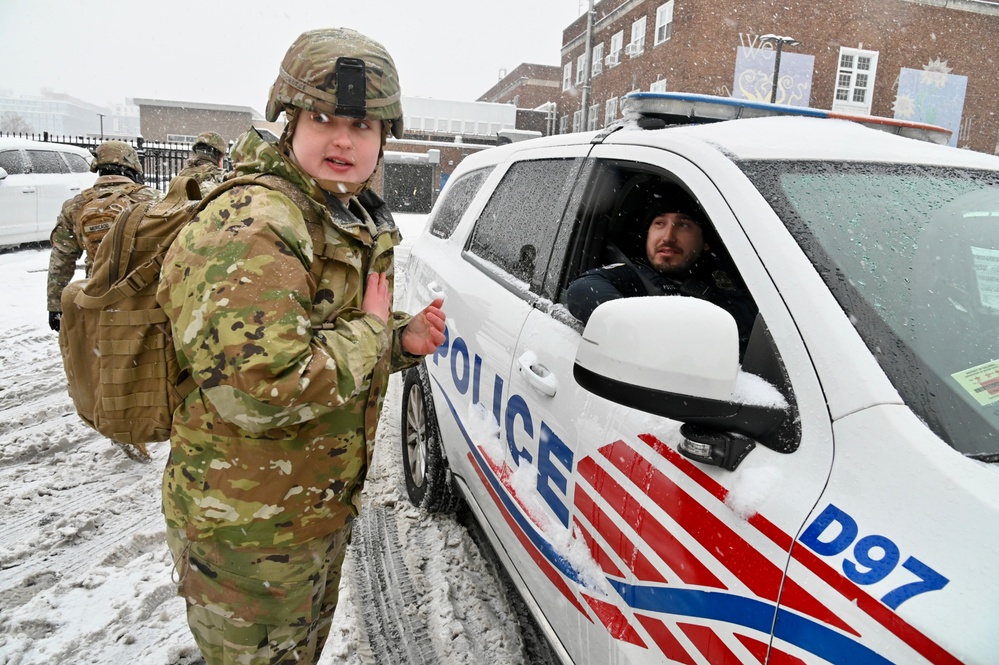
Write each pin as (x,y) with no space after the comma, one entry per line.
(116,343)
(98,212)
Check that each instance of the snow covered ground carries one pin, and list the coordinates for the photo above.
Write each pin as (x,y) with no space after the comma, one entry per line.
(85,575)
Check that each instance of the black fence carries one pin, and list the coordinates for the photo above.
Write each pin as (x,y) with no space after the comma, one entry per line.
(160,161)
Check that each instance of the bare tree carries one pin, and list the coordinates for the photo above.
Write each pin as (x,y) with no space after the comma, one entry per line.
(13,123)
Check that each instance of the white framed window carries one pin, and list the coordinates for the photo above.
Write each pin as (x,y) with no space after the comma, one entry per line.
(581,69)
(567,76)
(616,46)
(456,126)
(563,124)
(658,86)
(591,117)
(598,60)
(855,81)
(637,44)
(577,121)
(610,111)
(664,22)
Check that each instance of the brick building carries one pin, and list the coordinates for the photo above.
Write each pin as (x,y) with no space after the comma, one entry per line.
(181,122)
(923,60)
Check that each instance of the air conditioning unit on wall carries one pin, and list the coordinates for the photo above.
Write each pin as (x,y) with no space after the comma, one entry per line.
(633,49)
(613,60)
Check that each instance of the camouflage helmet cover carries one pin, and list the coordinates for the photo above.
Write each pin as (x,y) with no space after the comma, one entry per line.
(212,140)
(310,69)
(116,152)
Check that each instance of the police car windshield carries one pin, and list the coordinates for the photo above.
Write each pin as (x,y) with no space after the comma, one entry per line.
(911,254)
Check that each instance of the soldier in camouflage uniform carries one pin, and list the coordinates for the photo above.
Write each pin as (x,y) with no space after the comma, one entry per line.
(119,171)
(205,162)
(279,295)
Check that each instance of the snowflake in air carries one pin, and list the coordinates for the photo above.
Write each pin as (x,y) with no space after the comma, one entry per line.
(935,72)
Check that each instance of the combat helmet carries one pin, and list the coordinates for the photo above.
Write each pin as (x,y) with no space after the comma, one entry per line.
(341,72)
(116,153)
(211,140)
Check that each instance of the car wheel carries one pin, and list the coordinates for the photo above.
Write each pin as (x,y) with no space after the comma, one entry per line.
(428,478)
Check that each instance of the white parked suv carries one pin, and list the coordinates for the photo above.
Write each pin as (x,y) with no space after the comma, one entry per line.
(829,496)
(36,178)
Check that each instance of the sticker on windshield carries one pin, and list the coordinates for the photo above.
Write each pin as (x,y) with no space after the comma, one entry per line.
(986,262)
(981,382)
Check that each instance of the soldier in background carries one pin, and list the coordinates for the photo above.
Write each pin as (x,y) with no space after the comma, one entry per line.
(86,218)
(279,297)
(205,162)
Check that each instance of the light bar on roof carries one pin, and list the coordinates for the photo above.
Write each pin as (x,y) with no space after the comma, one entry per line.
(688,108)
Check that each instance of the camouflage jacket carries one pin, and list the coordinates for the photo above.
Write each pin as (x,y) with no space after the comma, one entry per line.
(67,245)
(205,171)
(272,447)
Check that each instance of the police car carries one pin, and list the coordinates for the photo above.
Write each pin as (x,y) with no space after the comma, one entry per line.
(831,496)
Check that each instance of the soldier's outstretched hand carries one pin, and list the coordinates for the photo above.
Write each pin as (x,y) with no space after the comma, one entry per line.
(425,331)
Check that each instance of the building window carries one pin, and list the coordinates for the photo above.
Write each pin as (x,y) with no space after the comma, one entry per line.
(567,76)
(616,44)
(637,44)
(658,86)
(855,80)
(664,22)
(577,121)
(442,124)
(563,124)
(598,59)
(591,118)
(581,69)
(456,126)
(610,111)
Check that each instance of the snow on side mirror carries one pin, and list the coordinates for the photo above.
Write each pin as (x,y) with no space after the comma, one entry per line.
(678,358)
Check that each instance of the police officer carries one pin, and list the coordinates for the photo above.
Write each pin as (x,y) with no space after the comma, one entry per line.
(86,218)
(205,162)
(279,294)
(678,259)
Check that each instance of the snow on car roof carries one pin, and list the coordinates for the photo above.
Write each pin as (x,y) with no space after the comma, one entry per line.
(807,138)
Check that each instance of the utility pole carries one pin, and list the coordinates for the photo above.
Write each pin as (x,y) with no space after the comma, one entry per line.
(588,67)
(779,43)
(101,116)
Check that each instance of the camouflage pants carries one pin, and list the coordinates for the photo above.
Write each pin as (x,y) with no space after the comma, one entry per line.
(259,606)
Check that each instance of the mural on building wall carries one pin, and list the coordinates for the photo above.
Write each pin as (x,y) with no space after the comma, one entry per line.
(933,95)
(754,71)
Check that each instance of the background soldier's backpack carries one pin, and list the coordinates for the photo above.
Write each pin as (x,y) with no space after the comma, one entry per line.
(99,211)
(116,343)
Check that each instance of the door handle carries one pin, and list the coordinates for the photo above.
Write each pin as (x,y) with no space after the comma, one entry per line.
(74,189)
(28,190)
(536,374)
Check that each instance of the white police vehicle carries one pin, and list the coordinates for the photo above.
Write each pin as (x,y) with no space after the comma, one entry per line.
(832,498)
(36,178)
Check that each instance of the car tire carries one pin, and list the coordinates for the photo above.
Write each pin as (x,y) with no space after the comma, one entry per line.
(425,467)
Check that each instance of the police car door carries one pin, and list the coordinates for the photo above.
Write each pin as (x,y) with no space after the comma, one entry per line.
(499,273)
(683,560)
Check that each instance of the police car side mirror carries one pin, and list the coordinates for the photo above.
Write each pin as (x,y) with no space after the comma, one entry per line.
(675,357)
(3,173)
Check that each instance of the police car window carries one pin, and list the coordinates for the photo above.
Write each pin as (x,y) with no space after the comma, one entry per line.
(46,161)
(455,200)
(77,164)
(516,231)
(10,161)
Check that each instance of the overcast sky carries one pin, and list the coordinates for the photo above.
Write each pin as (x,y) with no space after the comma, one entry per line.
(228,51)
